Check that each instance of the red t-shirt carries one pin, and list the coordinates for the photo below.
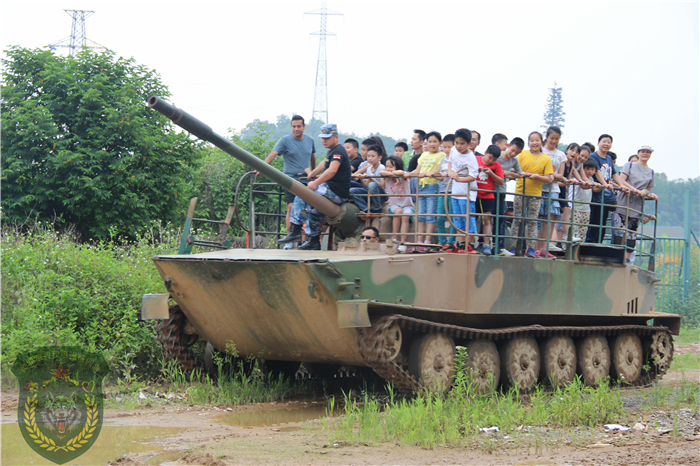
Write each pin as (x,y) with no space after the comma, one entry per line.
(484,181)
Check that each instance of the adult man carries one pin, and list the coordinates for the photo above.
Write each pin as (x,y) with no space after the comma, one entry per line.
(476,140)
(410,158)
(370,235)
(299,155)
(333,183)
(352,148)
(605,174)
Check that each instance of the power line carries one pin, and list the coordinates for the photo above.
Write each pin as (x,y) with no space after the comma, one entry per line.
(321,89)
(77,39)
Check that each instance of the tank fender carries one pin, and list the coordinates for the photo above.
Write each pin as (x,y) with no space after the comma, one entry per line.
(155,306)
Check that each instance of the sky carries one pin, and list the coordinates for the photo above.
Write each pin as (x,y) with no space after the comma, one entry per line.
(629,69)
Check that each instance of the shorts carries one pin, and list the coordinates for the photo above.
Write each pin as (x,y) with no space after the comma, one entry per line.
(288,196)
(406,210)
(544,210)
(484,206)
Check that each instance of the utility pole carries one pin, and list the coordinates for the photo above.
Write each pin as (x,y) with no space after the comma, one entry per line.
(77,39)
(321,90)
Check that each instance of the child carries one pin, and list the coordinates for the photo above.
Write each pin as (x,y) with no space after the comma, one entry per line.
(463,169)
(639,178)
(443,224)
(428,166)
(537,169)
(549,207)
(398,206)
(511,171)
(582,195)
(561,230)
(490,174)
(372,185)
(400,148)
(501,140)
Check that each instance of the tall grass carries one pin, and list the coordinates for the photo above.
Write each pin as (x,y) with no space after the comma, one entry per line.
(435,419)
(59,291)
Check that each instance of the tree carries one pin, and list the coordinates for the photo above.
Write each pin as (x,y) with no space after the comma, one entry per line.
(554,112)
(80,146)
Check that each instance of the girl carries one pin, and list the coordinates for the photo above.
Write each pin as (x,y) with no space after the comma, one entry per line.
(561,230)
(398,206)
(537,169)
(428,167)
(550,209)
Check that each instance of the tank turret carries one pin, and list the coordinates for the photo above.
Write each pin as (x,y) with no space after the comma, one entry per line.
(343,217)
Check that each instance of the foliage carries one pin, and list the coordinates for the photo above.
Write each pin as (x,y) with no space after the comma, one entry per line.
(554,111)
(672,201)
(690,307)
(58,291)
(81,148)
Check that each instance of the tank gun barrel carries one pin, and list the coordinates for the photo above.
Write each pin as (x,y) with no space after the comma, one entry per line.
(204,132)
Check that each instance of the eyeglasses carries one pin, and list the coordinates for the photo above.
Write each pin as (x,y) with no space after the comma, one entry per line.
(366,237)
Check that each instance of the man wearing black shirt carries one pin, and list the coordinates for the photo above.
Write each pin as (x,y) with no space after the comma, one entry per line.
(333,183)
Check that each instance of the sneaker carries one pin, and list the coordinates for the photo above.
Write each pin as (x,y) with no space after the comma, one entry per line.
(471,250)
(288,246)
(486,250)
(480,249)
(445,247)
(555,248)
(576,240)
(531,252)
(505,252)
(402,248)
(512,251)
(544,254)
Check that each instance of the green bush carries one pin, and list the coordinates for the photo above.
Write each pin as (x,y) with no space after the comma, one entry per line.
(56,291)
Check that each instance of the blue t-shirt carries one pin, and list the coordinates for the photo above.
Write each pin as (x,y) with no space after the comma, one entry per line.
(296,153)
(607,169)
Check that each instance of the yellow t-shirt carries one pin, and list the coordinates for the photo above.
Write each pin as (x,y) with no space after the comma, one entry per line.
(430,163)
(539,164)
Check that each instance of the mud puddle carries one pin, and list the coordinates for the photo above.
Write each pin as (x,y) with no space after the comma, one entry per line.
(280,416)
(112,442)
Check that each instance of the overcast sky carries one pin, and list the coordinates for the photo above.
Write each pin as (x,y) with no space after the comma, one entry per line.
(628,69)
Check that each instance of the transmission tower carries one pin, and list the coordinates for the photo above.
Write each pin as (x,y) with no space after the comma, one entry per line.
(77,40)
(321,90)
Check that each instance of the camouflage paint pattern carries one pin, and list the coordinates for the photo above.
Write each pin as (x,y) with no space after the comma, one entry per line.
(284,305)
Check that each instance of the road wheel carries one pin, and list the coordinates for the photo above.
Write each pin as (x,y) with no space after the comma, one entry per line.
(627,358)
(520,362)
(431,361)
(484,365)
(393,341)
(559,360)
(593,359)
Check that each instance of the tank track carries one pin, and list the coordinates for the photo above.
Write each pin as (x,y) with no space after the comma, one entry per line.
(370,343)
(177,339)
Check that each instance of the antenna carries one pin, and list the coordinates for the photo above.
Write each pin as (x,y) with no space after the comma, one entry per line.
(77,40)
(321,90)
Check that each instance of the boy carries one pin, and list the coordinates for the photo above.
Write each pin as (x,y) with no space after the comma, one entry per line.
(582,194)
(352,147)
(463,169)
(448,143)
(490,174)
(511,171)
(369,184)
(400,148)
(500,140)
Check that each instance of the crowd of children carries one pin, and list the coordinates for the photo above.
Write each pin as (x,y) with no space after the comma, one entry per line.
(551,187)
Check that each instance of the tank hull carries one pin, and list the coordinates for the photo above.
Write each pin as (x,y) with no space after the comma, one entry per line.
(276,308)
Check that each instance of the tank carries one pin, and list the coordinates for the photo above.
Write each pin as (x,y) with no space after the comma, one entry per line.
(405,315)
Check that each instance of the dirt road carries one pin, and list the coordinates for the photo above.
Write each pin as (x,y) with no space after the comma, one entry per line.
(290,433)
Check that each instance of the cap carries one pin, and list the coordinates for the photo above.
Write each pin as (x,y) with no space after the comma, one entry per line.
(328,130)
(646,147)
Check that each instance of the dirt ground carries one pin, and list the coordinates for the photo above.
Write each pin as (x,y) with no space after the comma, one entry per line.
(177,434)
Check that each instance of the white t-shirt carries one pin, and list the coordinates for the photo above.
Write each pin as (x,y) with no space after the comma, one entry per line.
(557,157)
(467,165)
(583,195)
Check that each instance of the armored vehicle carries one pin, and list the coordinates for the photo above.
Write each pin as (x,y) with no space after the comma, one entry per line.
(403,314)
